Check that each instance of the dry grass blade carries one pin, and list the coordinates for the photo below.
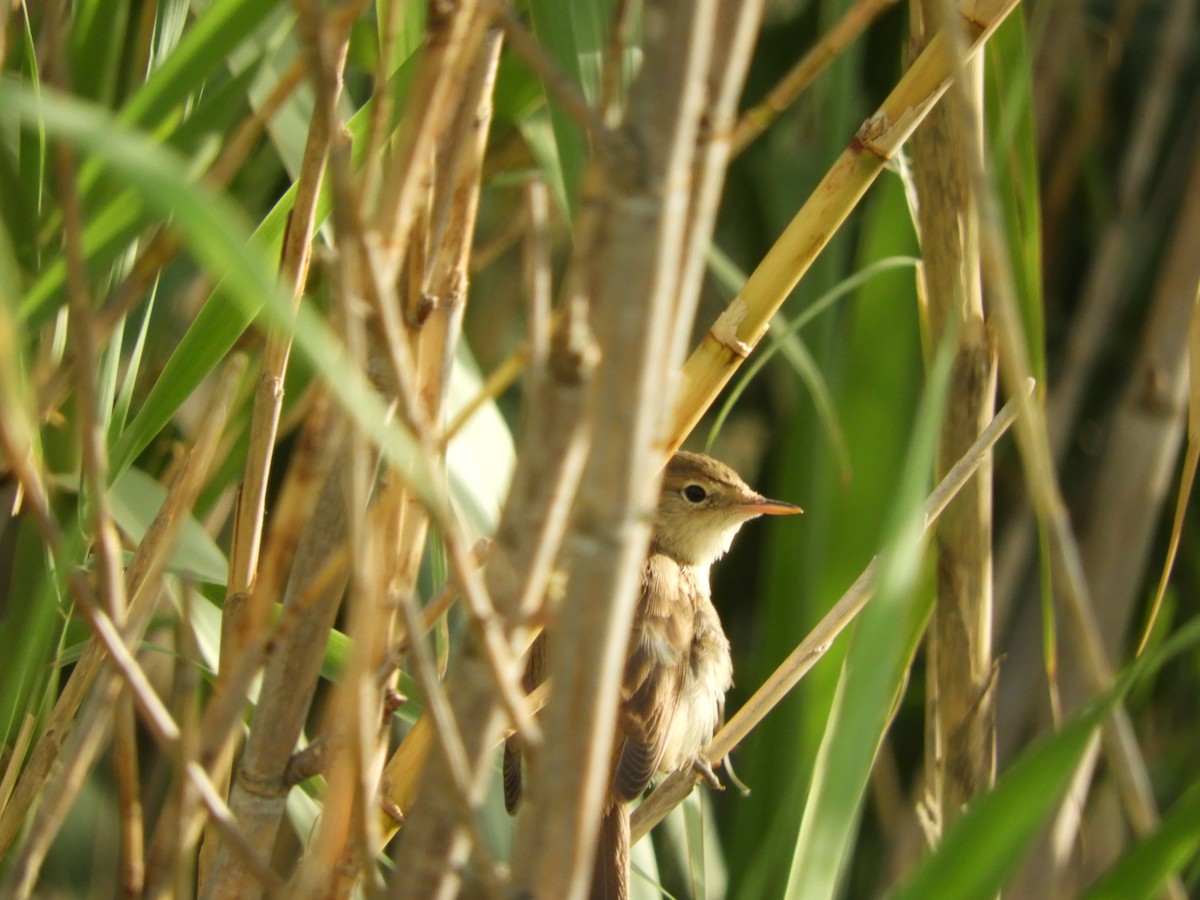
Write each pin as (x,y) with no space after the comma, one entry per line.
(15,758)
(28,860)
(1188,476)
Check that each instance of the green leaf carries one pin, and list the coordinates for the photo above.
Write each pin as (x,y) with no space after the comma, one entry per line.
(987,841)
(203,50)
(875,670)
(1142,872)
(32,624)
(135,499)
(96,42)
(574,34)
(1010,121)
(218,236)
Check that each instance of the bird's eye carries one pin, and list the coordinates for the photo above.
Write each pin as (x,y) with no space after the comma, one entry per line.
(694,493)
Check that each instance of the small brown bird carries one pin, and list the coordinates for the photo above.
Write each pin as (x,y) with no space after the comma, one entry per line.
(678,666)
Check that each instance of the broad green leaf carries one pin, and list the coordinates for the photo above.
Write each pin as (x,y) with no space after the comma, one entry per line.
(988,840)
(875,670)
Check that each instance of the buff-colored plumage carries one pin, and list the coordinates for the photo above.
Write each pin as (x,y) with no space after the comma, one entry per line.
(678,666)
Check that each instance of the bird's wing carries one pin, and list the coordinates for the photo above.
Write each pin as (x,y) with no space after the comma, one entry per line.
(534,675)
(654,673)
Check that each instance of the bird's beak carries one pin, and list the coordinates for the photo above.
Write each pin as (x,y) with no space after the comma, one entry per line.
(765,507)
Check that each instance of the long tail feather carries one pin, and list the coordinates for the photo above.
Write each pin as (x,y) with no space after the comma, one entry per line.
(610,874)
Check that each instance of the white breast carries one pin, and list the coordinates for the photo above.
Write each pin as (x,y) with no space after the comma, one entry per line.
(702,695)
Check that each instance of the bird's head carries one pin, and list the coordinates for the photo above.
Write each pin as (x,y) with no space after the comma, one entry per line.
(702,505)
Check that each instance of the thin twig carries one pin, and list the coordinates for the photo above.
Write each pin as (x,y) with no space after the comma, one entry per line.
(757,119)
(154,714)
(142,579)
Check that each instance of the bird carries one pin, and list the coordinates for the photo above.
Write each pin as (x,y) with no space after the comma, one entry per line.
(678,666)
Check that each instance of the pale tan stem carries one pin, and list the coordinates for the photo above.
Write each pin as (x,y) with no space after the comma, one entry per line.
(745,321)
(551,449)
(453,34)
(241,621)
(1033,442)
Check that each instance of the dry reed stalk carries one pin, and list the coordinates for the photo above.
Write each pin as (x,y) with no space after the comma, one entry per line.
(1120,743)
(435,304)
(818,641)
(525,545)
(241,622)
(723,85)
(106,544)
(960,713)
(16,756)
(718,142)
(352,721)
(745,321)
(85,741)
(639,182)
(403,771)
(170,859)
(301,551)
(452,32)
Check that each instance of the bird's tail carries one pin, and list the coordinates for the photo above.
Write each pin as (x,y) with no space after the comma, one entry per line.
(610,873)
